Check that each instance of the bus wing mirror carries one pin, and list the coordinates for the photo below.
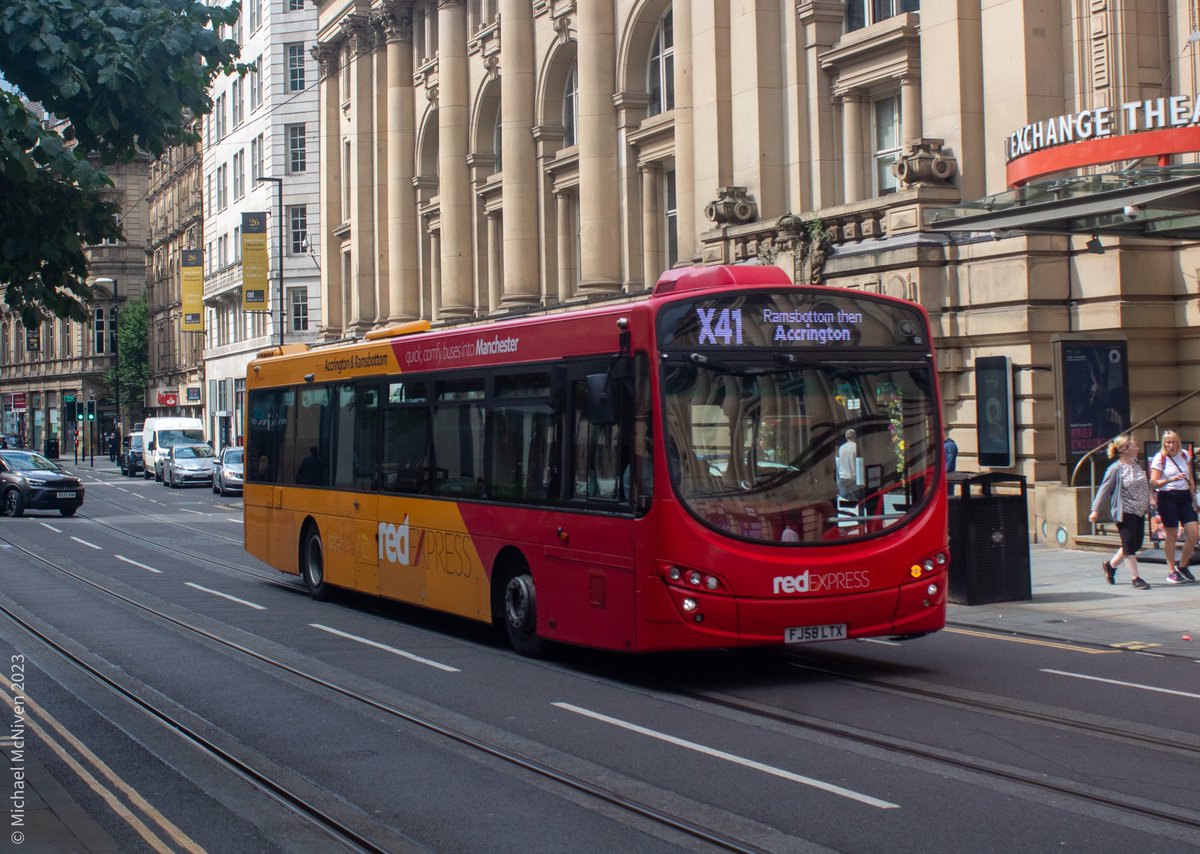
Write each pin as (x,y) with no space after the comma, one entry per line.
(599,400)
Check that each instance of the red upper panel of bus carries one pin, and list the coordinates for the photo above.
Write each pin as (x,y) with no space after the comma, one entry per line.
(700,278)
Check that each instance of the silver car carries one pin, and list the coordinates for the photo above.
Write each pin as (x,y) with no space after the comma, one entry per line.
(228,472)
(186,464)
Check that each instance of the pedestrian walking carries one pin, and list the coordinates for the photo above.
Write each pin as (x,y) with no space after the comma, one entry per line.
(950,449)
(1126,491)
(1171,476)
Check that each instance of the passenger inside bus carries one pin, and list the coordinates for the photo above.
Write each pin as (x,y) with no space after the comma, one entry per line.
(312,469)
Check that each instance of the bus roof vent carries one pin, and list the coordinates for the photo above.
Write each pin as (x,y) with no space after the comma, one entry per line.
(410,328)
(719,276)
(281,350)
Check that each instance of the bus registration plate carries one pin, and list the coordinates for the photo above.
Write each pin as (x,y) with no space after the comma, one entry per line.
(810,634)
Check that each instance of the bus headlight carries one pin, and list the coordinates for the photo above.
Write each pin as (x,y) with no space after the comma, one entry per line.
(673,573)
(694,578)
(932,589)
(689,604)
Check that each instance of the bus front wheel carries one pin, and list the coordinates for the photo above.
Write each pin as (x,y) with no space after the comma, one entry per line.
(520,614)
(312,565)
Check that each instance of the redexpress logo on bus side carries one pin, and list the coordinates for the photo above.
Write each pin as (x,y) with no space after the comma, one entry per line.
(809,582)
(394,542)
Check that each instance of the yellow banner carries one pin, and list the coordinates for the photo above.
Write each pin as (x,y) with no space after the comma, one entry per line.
(254,262)
(192,286)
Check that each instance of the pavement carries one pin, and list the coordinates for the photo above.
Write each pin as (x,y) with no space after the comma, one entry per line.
(1072,603)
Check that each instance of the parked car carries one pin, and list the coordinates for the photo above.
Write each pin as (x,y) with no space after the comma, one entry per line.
(130,460)
(29,481)
(229,472)
(185,464)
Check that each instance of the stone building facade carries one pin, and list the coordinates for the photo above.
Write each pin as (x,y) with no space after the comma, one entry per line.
(481,156)
(176,223)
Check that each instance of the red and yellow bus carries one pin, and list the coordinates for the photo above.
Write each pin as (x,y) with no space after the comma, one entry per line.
(659,473)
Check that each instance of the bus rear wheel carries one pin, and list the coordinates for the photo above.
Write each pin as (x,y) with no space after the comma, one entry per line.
(520,614)
(312,565)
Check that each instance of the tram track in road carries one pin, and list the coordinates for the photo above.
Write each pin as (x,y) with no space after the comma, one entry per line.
(350,837)
(1174,816)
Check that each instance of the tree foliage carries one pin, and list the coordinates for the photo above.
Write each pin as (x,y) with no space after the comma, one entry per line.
(126,77)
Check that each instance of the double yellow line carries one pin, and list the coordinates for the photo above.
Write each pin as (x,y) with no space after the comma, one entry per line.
(152,836)
(1070,647)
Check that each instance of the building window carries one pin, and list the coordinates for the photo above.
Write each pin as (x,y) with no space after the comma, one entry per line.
(887,143)
(660,75)
(221,128)
(498,143)
(65,330)
(863,13)
(239,174)
(255,158)
(98,328)
(295,5)
(346,161)
(298,297)
(255,14)
(208,200)
(113,241)
(237,244)
(344,66)
(298,223)
(295,66)
(238,101)
(571,105)
(222,251)
(257,73)
(222,186)
(297,149)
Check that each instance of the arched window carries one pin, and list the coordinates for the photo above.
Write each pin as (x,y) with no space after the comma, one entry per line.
(498,143)
(570,116)
(660,72)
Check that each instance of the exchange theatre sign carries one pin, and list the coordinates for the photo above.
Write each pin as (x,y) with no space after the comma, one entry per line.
(1155,127)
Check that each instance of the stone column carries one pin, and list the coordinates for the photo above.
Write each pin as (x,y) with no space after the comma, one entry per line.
(519,172)
(566,245)
(404,284)
(685,144)
(652,224)
(852,146)
(910,109)
(332,319)
(435,272)
(454,186)
(362,173)
(599,222)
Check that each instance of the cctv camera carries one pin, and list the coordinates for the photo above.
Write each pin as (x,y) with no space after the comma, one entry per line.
(1132,211)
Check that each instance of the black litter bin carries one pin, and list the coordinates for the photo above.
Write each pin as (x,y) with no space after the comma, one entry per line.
(50,449)
(989,538)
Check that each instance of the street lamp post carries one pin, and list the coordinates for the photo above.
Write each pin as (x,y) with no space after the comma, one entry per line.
(278,182)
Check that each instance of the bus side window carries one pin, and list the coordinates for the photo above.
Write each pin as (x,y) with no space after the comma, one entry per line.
(599,453)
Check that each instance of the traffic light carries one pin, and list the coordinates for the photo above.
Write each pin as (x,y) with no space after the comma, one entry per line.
(78,411)
(91,410)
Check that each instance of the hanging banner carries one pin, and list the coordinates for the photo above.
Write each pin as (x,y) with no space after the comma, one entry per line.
(192,290)
(254,261)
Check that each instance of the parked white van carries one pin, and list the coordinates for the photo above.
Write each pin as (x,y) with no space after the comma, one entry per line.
(159,435)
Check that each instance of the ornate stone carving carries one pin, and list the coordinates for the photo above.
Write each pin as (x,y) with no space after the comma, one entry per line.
(361,33)
(394,17)
(491,66)
(733,205)
(809,242)
(326,55)
(923,163)
(562,27)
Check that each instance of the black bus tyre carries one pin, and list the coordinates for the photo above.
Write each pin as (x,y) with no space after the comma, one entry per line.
(520,614)
(13,503)
(312,565)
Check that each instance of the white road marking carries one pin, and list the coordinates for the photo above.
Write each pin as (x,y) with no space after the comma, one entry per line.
(1187,694)
(386,648)
(86,543)
(51,527)
(197,512)
(238,521)
(730,757)
(227,596)
(880,641)
(139,565)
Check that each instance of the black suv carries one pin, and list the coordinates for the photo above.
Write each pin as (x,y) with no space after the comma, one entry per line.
(130,459)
